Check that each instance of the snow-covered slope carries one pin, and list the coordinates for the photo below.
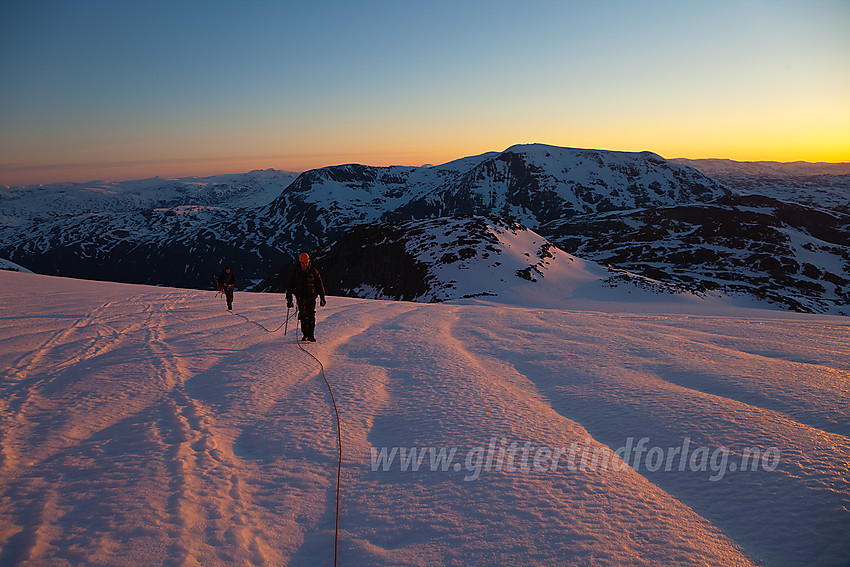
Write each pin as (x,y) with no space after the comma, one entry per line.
(447,259)
(699,253)
(8,265)
(149,426)
(793,255)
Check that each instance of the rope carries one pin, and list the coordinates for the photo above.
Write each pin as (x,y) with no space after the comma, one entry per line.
(263,327)
(336,413)
(338,438)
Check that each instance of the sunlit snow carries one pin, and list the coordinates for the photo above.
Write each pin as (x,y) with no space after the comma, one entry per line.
(149,426)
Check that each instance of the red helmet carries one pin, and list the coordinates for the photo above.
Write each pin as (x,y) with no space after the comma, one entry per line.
(304,258)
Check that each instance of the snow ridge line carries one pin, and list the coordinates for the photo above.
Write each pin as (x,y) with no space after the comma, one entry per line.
(779,412)
(728,390)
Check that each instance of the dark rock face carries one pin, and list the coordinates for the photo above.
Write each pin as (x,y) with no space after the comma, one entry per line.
(376,259)
(397,260)
(366,257)
(153,247)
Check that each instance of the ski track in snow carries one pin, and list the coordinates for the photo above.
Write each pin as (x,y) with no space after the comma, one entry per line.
(149,426)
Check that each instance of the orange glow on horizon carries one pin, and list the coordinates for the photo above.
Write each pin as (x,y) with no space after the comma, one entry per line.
(121,171)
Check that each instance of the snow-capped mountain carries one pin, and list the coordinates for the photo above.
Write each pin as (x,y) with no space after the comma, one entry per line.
(182,244)
(635,211)
(531,184)
(720,167)
(692,251)
(706,238)
(156,230)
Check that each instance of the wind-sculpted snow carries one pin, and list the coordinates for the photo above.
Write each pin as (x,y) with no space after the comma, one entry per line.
(149,426)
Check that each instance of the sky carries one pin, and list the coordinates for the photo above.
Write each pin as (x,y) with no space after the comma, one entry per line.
(120,90)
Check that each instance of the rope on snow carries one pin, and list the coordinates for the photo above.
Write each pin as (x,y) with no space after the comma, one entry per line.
(333,401)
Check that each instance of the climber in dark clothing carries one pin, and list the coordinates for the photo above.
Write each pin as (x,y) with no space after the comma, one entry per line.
(224,283)
(305,284)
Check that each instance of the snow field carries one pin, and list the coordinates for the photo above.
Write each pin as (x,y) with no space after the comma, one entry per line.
(148,425)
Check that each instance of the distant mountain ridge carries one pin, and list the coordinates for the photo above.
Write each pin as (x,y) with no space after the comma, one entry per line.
(823,185)
(635,211)
(532,183)
(252,189)
(714,167)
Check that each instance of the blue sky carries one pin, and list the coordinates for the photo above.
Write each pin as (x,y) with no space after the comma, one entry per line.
(117,89)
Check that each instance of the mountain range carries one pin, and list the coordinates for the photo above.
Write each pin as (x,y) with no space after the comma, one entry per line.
(763,233)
